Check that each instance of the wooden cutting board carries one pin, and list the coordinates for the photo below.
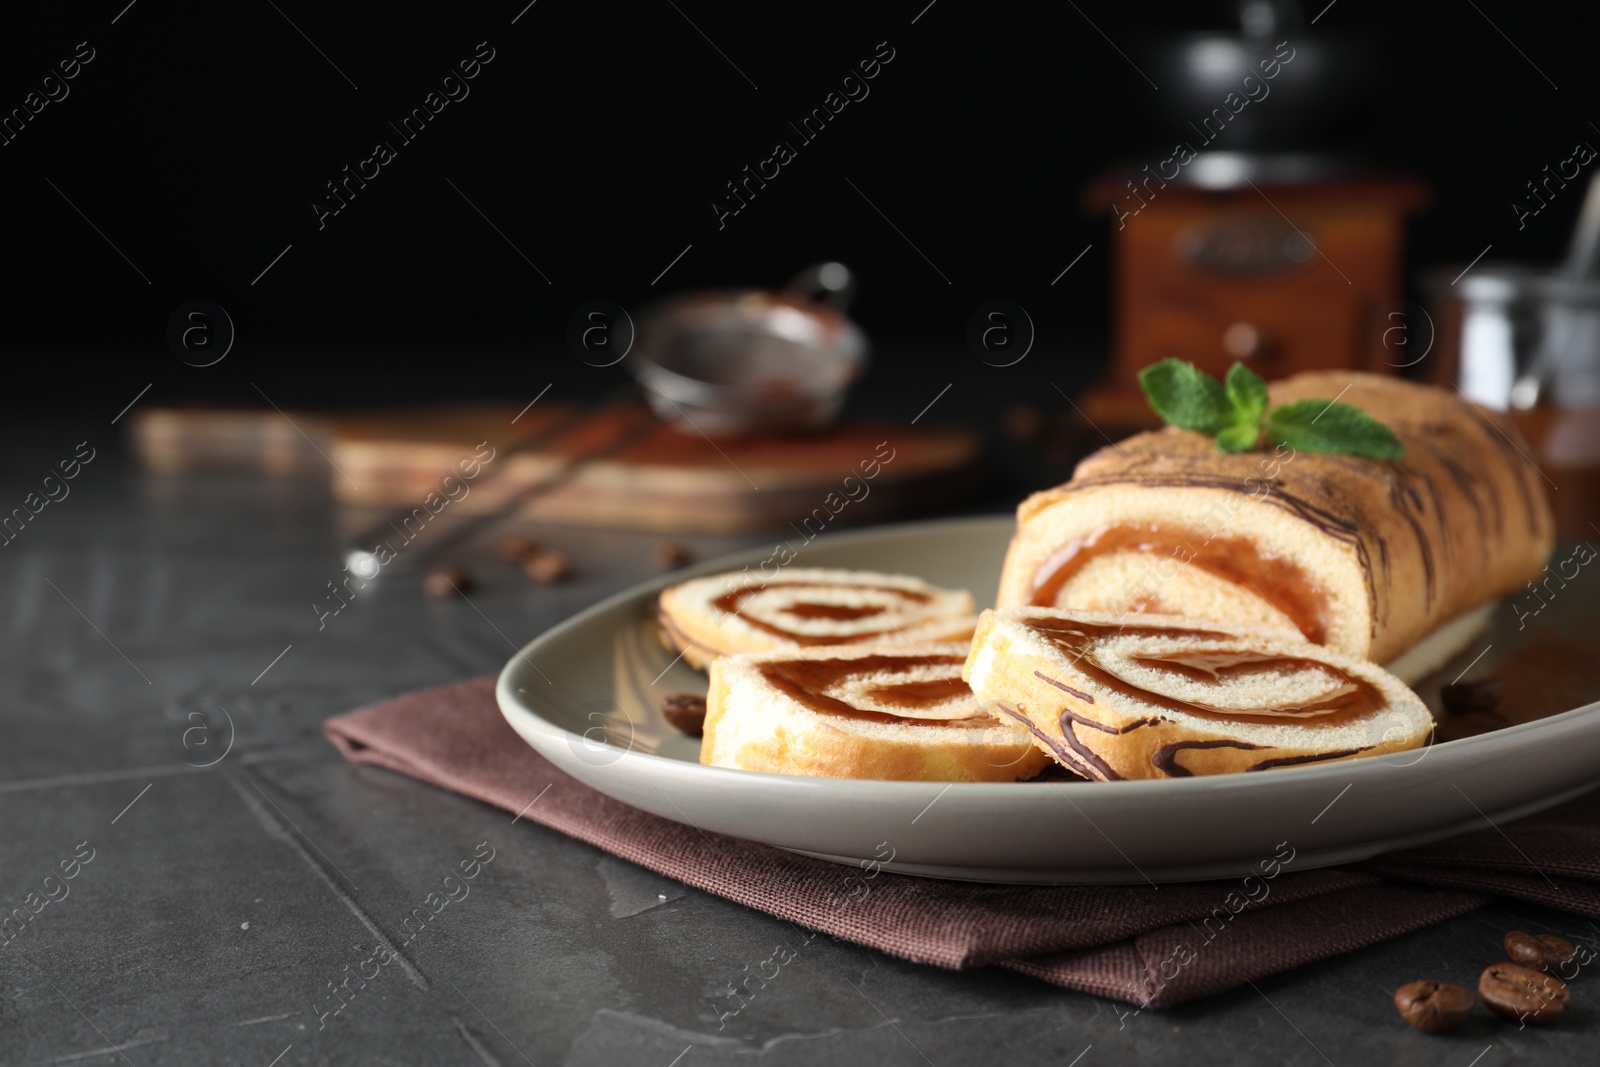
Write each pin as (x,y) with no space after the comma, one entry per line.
(620,467)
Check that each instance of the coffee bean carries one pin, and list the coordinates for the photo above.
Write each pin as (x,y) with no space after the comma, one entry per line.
(1434,1006)
(1558,951)
(685,711)
(1464,698)
(1542,952)
(1519,992)
(546,566)
(671,555)
(1525,949)
(516,549)
(442,583)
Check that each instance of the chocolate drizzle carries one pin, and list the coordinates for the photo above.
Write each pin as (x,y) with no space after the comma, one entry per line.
(1070,719)
(1314,757)
(1165,758)
(1064,687)
(1063,757)
(1469,484)
(1406,502)
(1517,460)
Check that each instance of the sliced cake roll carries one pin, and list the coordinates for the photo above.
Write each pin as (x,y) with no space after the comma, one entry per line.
(880,711)
(1362,555)
(1157,696)
(808,607)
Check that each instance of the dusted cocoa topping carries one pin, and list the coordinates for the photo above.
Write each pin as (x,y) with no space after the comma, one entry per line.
(685,711)
(808,680)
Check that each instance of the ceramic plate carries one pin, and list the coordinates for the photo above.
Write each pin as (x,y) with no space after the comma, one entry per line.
(586,695)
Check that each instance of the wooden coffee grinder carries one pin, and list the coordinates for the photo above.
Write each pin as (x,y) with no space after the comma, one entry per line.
(1264,232)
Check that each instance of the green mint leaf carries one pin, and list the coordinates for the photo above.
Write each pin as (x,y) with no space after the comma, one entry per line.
(1248,394)
(1328,426)
(1186,397)
(1241,437)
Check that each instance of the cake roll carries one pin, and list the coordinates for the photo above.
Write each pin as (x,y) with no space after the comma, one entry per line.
(1361,555)
(898,712)
(1160,696)
(807,607)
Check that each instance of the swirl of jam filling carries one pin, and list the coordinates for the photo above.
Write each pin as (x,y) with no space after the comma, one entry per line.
(731,603)
(1238,560)
(1346,700)
(807,681)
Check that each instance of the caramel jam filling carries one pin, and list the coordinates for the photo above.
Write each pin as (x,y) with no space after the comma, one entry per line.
(1235,559)
(807,681)
(1345,700)
(729,604)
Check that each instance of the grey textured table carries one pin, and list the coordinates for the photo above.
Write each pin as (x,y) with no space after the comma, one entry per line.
(221,902)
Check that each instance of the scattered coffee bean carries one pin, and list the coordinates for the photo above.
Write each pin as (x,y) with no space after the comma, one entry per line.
(1525,949)
(442,583)
(1542,952)
(685,711)
(1434,1006)
(516,549)
(546,565)
(672,555)
(1465,698)
(1519,992)
(1558,952)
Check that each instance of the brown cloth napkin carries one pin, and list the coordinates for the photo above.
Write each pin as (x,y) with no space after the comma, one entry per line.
(1145,945)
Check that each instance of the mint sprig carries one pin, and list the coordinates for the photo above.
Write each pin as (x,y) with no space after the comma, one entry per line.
(1236,412)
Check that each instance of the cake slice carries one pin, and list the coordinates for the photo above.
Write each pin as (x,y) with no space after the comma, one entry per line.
(806,607)
(878,711)
(1158,696)
(1362,555)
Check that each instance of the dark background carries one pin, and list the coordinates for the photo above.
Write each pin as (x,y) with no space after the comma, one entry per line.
(199,134)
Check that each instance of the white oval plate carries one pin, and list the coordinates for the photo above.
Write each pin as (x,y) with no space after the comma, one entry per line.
(586,695)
